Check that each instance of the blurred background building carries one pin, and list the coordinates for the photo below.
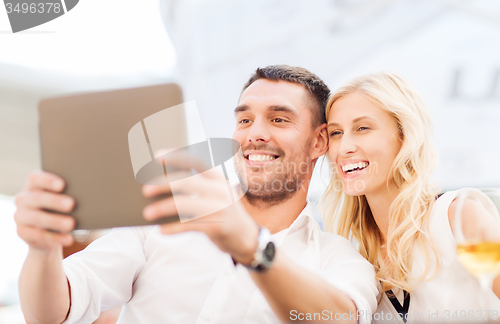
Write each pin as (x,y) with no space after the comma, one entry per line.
(448,49)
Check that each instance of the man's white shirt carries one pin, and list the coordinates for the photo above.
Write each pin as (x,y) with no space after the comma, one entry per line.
(185,278)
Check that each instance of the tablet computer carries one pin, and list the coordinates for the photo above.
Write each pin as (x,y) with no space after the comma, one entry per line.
(85,140)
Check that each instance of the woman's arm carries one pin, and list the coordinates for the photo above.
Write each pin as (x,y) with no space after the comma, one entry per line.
(476,218)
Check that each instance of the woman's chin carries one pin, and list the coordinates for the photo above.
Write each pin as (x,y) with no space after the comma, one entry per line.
(354,188)
(354,194)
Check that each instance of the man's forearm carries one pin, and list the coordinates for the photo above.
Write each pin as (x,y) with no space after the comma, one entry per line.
(289,288)
(43,287)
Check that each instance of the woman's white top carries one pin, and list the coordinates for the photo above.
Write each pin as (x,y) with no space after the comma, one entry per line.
(454,294)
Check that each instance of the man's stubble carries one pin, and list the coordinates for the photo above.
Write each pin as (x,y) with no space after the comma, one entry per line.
(264,190)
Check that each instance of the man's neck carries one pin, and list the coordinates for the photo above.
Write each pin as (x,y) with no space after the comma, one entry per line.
(276,217)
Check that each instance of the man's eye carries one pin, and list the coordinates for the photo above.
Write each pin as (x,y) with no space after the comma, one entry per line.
(244,121)
(278,120)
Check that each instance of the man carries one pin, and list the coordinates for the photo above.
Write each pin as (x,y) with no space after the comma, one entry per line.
(191,277)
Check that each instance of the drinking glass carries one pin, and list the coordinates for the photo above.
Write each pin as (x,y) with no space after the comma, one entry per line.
(476,227)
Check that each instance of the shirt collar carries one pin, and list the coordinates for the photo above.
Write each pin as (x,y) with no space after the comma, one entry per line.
(305,221)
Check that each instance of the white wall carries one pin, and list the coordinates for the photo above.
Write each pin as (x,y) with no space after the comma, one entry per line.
(12,253)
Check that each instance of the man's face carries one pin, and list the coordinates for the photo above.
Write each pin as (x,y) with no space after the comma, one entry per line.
(274,128)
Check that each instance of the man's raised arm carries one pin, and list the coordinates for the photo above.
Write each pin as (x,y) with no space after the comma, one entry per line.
(43,288)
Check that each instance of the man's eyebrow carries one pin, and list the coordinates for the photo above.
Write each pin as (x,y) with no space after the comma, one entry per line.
(286,109)
(354,120)
(240,109)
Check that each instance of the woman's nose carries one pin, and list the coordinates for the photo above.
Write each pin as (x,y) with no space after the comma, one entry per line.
(347,145)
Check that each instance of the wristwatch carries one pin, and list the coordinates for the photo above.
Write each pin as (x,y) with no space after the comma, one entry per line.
(264,253)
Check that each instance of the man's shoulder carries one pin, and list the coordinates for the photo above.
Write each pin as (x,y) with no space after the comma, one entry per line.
(337,251)
(329,239)
(141,232)
(334,244)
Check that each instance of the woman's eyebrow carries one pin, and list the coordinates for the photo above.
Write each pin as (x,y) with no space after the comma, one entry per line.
(354,120)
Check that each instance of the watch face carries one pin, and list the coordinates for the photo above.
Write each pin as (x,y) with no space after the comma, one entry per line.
(269,252)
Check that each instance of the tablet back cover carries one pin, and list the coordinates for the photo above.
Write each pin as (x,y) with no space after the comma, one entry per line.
(84,139)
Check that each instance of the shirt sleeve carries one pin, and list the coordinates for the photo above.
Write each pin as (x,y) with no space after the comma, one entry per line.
(345,269)
(102,275)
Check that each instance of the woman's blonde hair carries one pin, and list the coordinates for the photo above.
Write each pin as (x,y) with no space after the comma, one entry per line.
(350,216)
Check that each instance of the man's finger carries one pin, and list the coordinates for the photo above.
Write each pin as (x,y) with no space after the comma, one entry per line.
(160,209)
(45,220)
(186,207)
(200,225)
(180,159)
(43,238)
(190,208)
(164,189)
(185,161)
(45,181)
(174,228)
(192,185)
(38,199)
(201,186)
(150,191)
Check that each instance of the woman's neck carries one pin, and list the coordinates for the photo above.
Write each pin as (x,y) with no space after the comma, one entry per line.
(380,204)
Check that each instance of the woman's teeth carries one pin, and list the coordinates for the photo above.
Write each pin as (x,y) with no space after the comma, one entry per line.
(354,167)
(261,158)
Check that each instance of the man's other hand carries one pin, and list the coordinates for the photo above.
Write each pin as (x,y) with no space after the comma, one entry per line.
(230,227)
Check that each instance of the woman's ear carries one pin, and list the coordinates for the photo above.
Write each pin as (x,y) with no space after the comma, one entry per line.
(320,143)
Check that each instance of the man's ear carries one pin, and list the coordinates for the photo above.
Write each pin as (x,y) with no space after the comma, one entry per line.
(320,143)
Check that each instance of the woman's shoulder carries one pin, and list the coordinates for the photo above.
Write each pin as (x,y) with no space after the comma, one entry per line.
(446,204)
(444,210)
(447,200)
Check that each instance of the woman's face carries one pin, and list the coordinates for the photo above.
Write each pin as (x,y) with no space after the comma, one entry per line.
(364,141)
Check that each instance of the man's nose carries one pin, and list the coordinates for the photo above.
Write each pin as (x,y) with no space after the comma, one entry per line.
(347,145)
(259,132)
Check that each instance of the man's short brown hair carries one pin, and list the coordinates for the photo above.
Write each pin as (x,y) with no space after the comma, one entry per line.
(315,86)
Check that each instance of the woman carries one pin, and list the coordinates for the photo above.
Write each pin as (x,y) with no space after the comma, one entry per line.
(380,196)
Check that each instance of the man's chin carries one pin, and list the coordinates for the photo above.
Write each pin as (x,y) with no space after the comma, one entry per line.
(256,197)
(272,191)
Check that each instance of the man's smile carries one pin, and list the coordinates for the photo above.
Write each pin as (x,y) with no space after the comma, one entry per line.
(260,158)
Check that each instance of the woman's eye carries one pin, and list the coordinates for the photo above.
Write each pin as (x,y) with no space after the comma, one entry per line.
(334,133)
(362,128)
(244,121)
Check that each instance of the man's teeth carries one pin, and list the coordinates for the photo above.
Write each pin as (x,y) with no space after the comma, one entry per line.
(354,166)
(261,158)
